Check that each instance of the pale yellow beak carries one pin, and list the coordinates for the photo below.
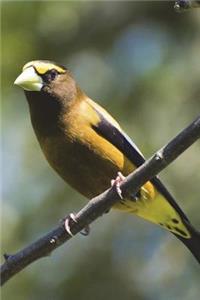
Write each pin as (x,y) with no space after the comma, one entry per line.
(29,80)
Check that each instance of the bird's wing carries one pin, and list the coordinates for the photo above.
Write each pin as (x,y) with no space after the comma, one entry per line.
(108,128)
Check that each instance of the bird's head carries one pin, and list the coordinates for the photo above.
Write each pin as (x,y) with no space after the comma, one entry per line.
(46,77)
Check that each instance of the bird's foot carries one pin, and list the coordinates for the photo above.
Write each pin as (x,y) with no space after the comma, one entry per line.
(116,182)
(85,231)
(68,222)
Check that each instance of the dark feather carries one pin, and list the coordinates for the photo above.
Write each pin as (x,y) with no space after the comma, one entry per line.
(121,141)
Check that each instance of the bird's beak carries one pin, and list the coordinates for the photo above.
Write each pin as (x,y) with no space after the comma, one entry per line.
(29,80)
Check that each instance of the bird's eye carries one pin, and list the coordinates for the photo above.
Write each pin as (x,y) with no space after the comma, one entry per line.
(53,73)
(50,75)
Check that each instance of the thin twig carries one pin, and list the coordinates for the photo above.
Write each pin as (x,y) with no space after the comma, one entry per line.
(184,5)
(98,205)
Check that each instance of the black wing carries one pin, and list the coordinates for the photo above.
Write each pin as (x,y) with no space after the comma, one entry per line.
(122,142)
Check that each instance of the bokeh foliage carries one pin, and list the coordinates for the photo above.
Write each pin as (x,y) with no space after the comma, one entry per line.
(141,61)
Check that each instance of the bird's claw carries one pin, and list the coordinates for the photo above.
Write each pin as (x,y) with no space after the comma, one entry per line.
(116,182)
(85,231)
(67,224)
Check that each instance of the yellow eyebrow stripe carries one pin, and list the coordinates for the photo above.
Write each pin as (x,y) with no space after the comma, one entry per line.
(43,67)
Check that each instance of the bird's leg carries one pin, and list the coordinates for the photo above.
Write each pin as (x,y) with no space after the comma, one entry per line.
(67,224)
(116,182)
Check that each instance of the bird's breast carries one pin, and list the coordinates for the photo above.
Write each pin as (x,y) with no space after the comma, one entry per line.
(85,160)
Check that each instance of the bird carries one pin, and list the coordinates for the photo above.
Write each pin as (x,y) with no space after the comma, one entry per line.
(87,147)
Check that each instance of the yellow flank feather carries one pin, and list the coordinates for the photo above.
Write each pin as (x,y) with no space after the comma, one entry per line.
(81,120)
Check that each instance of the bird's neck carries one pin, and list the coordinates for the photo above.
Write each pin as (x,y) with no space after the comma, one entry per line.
(46,113)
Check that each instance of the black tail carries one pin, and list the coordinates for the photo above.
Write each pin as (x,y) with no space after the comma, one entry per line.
(193,244)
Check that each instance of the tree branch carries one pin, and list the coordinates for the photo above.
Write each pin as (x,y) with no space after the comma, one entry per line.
(183,5)
(98,205)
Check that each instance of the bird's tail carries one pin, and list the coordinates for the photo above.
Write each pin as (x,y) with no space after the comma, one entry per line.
(193,243)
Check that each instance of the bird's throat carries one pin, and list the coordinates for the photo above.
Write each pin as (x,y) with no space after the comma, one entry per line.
(45,113)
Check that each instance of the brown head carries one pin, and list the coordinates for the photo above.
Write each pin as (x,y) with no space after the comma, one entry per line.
(50,90)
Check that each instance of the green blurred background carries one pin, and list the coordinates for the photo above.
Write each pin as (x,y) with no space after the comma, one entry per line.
(141,61)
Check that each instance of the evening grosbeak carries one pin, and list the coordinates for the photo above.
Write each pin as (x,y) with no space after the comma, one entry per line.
(87,147)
